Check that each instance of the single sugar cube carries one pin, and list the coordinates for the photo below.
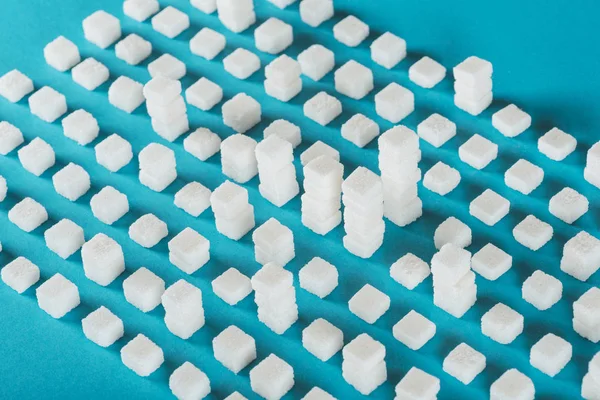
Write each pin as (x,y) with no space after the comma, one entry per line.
(581,256)
(101,29)
(202,143)
(273,36)
(102,327)
(316,61)
(241,63)
(478,151)
(283,70)
(148,230)
(142,356)
(281,3)
(285,130)
(316,150)
(140,10)
(556,144)
(272,378)
(168,66)
(90,73)
(414,330)
(126,94)
(473,70)
(229,200)
(189,382)
(568,205)
(170,22)
(322,108)
(409,271)
(144,289)
(61,54)
(232,286)
(426,72)
(502,324)
(241,113)
(108,205)
(418,384)
(318,277)
(441,179)
(436,130)
(10,137)
(57,296)
(524,176)
(452,231)
(189,250)
(394,103)
(71,182)
(360,130)
(234,348)
(464,363)
(542,290)
(47,104)
(113,153)
(133,49)
(511,121)
(64,238)
(315,12)
(388,50)
(28,214)
(322,339)
(80,126)
(533,233)
(36,156)
(193,198)
(14,85)
(204,94)
(489,207)
(207,43)
(354,80)
(162,91)
(235,395)
(513,384)
(317,393)
(491,262)
(369,304)
(350,31)
(590,387)
(20,274)
(207,7)
(365,351)
(586,309)
(550,354)
(102,259)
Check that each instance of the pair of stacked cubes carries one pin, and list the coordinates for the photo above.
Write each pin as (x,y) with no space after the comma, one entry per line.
(273,242)
(276,171)
(590,388)
(184,313)
(399,155)
(166,107)
(586,315)
(454,288)
(236,15)
(591,172)
(363,364)
(157,166)
(234,215)
(283,80)
(473,85)
(321,201)
(362,194)
(275,297)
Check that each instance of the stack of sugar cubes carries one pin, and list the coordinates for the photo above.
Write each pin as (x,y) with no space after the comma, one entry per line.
(157,166)
(363,364)
(362,194)
(454,288)
(321,201)
(236,15)
(283,78)
(184,313)
(234,215)
(581,256)
(166,107)
(275,296)
(276,171)
(591,172)
(473,85)
(399,155)
(590,388)
(586,315)
(273,242)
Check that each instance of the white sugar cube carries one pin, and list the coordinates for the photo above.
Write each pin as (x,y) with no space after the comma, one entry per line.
(451,263)
(206,6)
(586,309)
(542,290)
(90,73)
(170,22)
(281,3)
(441,179)
(581,256)
(316,150)
(322,339)
(354,80)
(317,393)
(235,396)
(550,354)
(232,286)
(524,176)
(324,172)
(426,72)
(189,250)
(418,384)
(360,130)
(414,330)
(272,236)
(126,94)
(162,90)
(511,121)
(28,214)
(204,94)
(533,233)
(388,50)
(369,304)
(322,108)
(167,113)
(272,278)
(285,130)
(556,144)
(316,61)
(64,238)
(102,259)
(133,49)
(3,191)
(229,200)
(318,277)
(57,296)
(10,137)
(273,36)
(283,92)
(101,29)
(156,157)
(315,12)
(241,113)
(36,156)
(364,351)
(594,366)
(193,198)
(350,31)
(207,43)
(473,70)
(362,185)
(234,348)
(436,130)
(237,18)
(168,66)
(568,205)
(142,356)
(20,274)
(473,107)
(113,153)
(394,103)
(489,207)
(273,154)
(478,151)
(47,104)
(464,363)
(590,387)
(452,231)
(491,262)
(80,126)
(238,160)
(182,299)
(409,271)
(148,230)
(512,384)
(108,205)
(189,382)
(61,54)
(272,378)
(144,289)
(502,324)
(140,10)
(102,327)
(283,70)
(241,63)
(71,182)
(14,85)
(173,129)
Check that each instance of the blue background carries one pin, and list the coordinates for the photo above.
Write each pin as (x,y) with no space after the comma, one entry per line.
(546,60)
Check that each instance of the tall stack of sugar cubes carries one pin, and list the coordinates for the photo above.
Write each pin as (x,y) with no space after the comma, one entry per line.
(166,107)
(276,171)
(236,15)
(473,85)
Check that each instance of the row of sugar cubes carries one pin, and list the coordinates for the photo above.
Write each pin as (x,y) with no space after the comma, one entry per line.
(166,107)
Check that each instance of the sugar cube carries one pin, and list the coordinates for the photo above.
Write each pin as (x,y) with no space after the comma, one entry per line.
(317,393)
(80,126)
(594,366)
(316,61)
(502,324)
(102,327)
(71,182)
(14,85)
(285,130)
(436,130)
(464,363)
(142,356)
(394,103)
(556,144)
(10,137)
(451,263)
(108,205)
(47,104)
(542,290)
(20,274)
(568,205)
(140,10)
(322,339)
(350,31)
(36,156)
(125,94)
(388,50)
(369,304)
(133,49)
(550,354)
(113,153)
(170,22)
(426,72)
(189,250)
(235,396)
(241,113)
(318,277)
(207,43)
(27,214)
(316,150)
(281,3)
(241,63)
(360,130)
(272,378)
(204,94)
(441,179)
(234,348)
(491,262)
(193,198)
(365,351)
(524,176)
(581,256)
(206,6)
(452,231)
(101,29)
(232,286)
(238,160)
(489,207)
(473,70)
(322,108)
(143,289)
(64,238)
(161,90)
(478,151)
(533,233)
(315,12)
(511,121)
(189,382)
(414,330)
(473,107)
(90,73)
(409,271)
(184,314)
(512,384)
(587,308)
(229,199)
(148,230)
(273,36)
(590,387)
(61,54)
(57,296)
(272,235)
(3,190)
(418,384)
(354,80)
(102,259)
(238,16)
(168,66)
